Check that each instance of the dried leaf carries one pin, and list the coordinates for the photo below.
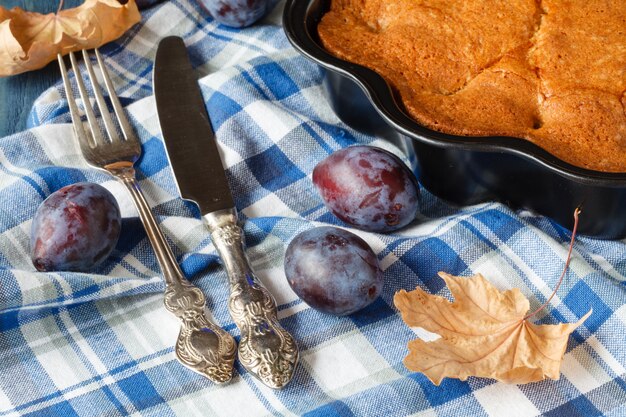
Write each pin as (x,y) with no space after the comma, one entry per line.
(483,333)
(30,40)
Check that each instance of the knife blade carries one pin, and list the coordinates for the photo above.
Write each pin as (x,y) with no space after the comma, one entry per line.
(265,349)
(190,140)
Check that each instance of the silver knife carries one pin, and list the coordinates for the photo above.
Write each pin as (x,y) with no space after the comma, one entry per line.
(266,350)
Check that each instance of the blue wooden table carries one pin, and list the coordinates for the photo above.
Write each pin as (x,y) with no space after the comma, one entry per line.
(18,92)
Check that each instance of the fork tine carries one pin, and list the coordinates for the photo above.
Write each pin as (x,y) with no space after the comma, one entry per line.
(91,117)
(104,111)
(117,106)
(79,129)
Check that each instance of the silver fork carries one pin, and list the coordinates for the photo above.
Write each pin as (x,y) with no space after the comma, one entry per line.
(201,345)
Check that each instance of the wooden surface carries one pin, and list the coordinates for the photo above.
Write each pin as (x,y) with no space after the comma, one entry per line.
(18,92)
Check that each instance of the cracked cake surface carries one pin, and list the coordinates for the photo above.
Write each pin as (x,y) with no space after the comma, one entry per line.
(552,72)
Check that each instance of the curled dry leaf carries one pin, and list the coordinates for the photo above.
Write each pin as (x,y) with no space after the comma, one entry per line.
(484,333)
(30,40)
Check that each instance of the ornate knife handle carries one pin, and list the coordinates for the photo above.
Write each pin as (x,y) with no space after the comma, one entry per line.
(266,349)
(202,345)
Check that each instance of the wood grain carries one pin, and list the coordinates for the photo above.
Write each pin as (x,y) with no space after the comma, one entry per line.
(18,92)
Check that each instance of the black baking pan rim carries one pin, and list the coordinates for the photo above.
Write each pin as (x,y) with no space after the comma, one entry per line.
(297,24)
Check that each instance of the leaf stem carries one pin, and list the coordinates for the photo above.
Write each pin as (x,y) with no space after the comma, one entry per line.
(60,6)
(569,256)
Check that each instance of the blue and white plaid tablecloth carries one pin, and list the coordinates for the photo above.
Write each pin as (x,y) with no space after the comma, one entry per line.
(100,344)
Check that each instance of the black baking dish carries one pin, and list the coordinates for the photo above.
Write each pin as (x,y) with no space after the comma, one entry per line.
(463,170)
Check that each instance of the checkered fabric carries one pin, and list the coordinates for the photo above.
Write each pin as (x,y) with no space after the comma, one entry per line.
(101,344)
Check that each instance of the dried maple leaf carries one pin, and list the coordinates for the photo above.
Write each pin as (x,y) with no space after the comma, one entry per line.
(30,40)
(484,332)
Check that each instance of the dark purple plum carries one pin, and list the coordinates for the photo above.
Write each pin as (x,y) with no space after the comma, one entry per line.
(75,228)
(144,4)
(237,13)
(333,270)
(368,188)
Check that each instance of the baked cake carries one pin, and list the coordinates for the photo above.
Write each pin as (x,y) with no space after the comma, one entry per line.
(549,71)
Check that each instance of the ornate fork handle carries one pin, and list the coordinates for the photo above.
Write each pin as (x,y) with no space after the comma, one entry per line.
(202,345)
(266,349)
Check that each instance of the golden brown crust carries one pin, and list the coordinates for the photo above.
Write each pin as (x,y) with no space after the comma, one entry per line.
(551,71)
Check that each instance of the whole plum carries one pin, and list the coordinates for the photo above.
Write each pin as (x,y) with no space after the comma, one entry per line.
(333,270)
(368,188)
(237,13)
(75,228)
